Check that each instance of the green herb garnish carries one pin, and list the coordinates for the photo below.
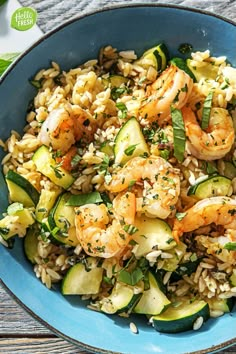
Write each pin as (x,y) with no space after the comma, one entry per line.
(179,133)
(185,48)
(131,278)
(85,198)
(130,229)
(206,112)
(231,246)
(122,113)
(180,216)
(130,150)
(36,83)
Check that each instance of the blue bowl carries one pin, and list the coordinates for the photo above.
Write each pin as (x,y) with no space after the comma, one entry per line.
(132,27)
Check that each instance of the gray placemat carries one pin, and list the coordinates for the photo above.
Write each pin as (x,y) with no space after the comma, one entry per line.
(52,13)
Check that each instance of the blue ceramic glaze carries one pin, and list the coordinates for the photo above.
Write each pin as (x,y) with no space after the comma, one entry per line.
(139,28)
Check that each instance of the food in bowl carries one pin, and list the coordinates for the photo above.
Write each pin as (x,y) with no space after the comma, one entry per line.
(123,185)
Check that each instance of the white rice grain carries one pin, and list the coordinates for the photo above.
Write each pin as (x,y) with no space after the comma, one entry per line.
(133,327)
(198,323)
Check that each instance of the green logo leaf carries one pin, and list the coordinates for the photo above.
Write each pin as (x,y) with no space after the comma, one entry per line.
(23,19)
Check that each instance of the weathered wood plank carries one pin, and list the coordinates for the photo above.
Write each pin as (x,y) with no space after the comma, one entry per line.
(20,333)
(13,319)
(52,13)
(38,345)
(50,345)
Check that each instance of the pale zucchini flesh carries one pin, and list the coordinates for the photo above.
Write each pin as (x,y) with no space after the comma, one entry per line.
(206,71)
(81,281)
(153,301)
(152,234)
(47,200)
(21,190)
(211,187)
(122,299)
(46,164)
(9,229)
(156,57)
(130,135)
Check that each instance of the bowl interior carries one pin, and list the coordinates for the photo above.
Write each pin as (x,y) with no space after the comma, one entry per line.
(137,28)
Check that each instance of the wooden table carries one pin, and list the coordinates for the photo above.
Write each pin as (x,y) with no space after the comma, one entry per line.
(19,332)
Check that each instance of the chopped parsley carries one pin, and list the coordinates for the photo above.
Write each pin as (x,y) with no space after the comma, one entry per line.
(130,150)
(180,216)
(185,48)
(231,246)
(122,110)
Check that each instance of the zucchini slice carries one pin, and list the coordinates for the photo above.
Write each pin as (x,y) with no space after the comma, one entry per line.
(229,170)
(207,71)
(129,142)
(232,279)
(181,318)
(157,57)
(152,234)
(46,164)
(21,190)
(47,200)
(171,264)
(122,299)
(61,221)
(224,305)
(115,81)
(212,187)
(9,227)
(153,301)
(31,244)
(185,268)
(181,64)
(80,280)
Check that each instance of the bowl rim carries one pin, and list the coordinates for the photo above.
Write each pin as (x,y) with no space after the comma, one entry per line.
(48,34)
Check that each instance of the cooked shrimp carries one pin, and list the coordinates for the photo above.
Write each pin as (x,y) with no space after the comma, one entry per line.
(96,236)
(161,184)
(63,127)
(216,141)
(218,210)
(172,87)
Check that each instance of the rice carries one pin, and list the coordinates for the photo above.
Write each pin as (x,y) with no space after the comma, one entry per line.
(89,88)
(198,323)
(133,327)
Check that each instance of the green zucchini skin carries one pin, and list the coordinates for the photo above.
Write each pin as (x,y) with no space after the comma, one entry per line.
(213,186)
(157,57)
(121,300)
(115,81)
(62,216)
(182,318)
(153,301)
(21,190)
(31,244)
(181,64)
(152,233)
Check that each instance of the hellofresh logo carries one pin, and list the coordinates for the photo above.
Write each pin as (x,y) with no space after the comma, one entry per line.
(23,19)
